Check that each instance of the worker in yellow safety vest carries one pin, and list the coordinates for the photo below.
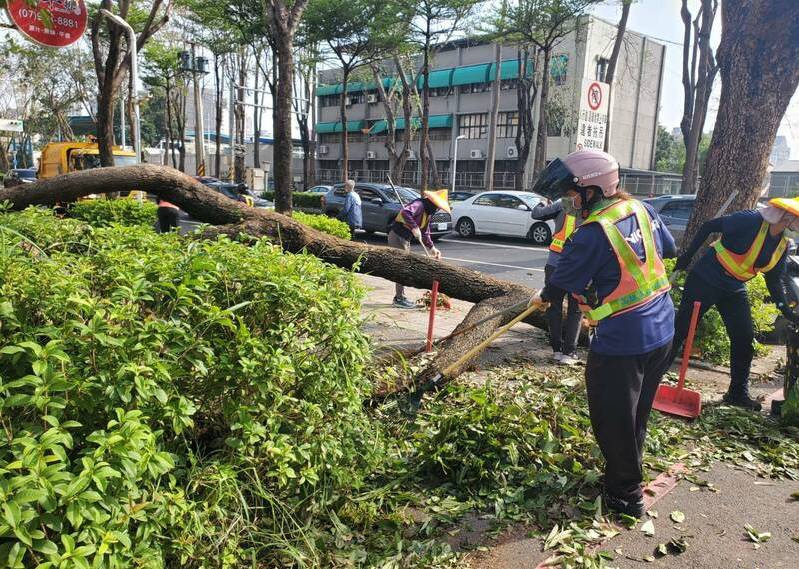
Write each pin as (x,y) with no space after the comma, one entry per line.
(563,332)
(614,263)
(751,242)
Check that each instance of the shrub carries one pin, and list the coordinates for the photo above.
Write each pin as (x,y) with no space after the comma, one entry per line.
(711,339)
(162,396)
(323,223)
(102,212)
(302,200)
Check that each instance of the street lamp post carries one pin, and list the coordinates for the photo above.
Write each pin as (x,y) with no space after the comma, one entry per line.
(455,160)
(134,76)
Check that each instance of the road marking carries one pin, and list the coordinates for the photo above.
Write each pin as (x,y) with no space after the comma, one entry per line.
(492,245)
(493,264)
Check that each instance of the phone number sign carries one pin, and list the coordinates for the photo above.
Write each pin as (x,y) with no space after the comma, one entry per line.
(52,23)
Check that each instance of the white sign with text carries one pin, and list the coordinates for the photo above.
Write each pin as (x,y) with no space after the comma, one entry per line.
(593,119)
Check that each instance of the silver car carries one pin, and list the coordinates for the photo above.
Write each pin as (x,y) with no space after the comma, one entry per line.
(675,211)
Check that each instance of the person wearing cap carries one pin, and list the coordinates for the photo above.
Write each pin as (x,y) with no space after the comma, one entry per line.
(751,242)
(413,222)
(563,333)
(613,263)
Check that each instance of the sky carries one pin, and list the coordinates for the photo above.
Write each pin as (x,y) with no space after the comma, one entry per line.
(660,20)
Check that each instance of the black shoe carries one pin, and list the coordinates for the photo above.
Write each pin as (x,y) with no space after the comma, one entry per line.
(740,398)
(634,508)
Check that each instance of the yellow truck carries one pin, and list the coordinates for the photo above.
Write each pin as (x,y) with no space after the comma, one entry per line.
(63,157)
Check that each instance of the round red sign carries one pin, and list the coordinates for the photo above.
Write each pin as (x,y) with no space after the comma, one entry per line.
(594,96)
(52,23)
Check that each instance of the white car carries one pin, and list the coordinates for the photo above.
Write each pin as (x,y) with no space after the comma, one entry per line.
(502,213)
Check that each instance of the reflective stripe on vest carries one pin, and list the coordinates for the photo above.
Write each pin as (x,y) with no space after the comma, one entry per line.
(742,266)
(559,239)
(422,224)
(249,201)
(641,281)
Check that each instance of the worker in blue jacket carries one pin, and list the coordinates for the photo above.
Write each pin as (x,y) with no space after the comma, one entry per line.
(614,263)
(751,242)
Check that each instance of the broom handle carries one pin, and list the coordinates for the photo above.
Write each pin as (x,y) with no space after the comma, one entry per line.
(689,344)
(530,309)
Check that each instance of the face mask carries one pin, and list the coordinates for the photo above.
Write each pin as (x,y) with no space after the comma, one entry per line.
(567,204)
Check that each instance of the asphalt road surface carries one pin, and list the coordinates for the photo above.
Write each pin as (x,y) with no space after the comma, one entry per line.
(510,259)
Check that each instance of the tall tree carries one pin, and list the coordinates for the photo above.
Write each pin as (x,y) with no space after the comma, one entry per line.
(112,57)
(284,19)
(610,73)
(758,59)
(432,23)
(699,70)
(537,27)
(397,98)
(493,119)
(357,33)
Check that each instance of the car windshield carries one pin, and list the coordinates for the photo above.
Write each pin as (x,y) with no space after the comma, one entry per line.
(407,194)
(530,198)
(26,173)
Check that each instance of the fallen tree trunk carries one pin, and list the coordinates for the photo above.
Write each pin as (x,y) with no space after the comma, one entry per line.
(233,218)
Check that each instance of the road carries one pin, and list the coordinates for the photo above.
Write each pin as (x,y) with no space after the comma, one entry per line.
(514,260)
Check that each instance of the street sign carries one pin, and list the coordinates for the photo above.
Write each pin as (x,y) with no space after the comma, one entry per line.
(52,23)
(11,125)
(593,119)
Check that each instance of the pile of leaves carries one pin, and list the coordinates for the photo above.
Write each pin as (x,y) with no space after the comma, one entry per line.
(443,302)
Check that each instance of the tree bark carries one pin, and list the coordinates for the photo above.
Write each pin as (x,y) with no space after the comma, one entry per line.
(541,135)
(526,93)
(758,60)
(233,218)
(610,74)
(492,123)
(219,87)
(425,141)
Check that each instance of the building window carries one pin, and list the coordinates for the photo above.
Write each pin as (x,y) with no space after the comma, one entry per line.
(440,134)
(508,84)
(329,138)
(475,88)
(329,100)
(356,98)
(508,124)
(601,68)
(473,126)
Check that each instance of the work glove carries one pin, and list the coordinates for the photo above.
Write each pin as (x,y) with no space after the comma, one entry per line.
(417,233)
(682,262)
(436,253)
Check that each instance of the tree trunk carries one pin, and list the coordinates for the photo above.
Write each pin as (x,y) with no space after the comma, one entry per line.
(283,143)
(492,122)
(541,136)
(256,117)
(754,97)
(610,74)
(206,205)
(106,103)
(170,144)
(526,93)
(425,141)
(345,147)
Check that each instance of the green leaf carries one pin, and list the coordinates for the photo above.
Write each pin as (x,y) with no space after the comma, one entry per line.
(677,517)
(648,528)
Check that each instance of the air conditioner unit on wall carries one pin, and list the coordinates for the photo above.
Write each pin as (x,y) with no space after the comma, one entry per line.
(371,154)
(324,149)
(475,154)
(371,98)
(511,152)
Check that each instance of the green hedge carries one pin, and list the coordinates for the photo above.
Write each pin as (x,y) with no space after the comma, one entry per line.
(323,223)
(301,200)
(171,402)
(103,213)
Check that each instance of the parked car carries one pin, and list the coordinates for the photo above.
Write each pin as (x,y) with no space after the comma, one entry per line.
(459,196)
(502,213)
(674,211)
(318,190)
(238,192)
(380,207)
(19,176)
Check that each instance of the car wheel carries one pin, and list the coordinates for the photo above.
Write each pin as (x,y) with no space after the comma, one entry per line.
(540,234)
(465,227)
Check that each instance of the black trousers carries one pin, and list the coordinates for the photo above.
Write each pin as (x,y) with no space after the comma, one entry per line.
(167,219)
(562,335)
(736,315)
(621,390)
